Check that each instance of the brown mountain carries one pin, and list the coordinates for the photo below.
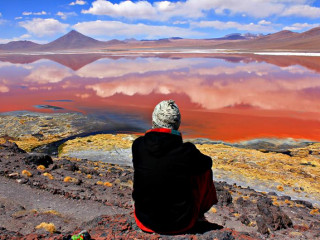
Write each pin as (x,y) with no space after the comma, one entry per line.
(18,45)
(72,40)
(283,40)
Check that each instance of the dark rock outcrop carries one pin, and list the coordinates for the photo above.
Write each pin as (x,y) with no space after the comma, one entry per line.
(38,159)
(271,217)
(11,147)
(224,196)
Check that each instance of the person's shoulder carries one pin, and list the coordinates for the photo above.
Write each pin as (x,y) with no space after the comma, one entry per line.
(189,145)
(138,140)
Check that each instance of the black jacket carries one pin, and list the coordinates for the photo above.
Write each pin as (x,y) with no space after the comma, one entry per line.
(162,190)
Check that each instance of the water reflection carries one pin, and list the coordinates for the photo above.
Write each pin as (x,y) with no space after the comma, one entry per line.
(222,97)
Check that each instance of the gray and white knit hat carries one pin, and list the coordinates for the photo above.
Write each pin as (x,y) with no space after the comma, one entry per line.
(166,115)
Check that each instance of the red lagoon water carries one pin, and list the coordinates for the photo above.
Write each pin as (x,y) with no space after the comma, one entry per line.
(221,98)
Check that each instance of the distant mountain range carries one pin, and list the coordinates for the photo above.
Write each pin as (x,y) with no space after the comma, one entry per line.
(72,40)
(283,40)
(280,41)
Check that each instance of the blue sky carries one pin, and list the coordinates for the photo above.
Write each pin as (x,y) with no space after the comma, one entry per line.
(45,20)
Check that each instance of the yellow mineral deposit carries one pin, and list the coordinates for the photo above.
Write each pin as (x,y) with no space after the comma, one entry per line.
(26,173)
(69,179)
(49,227)
(105,142)
(107,184)
(295,173)
(314,211)
(28,142)
(41,167)
(48,175)
(52,212)
(213,210)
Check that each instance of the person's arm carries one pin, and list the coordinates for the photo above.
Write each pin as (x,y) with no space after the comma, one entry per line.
(200,162)
(135,150)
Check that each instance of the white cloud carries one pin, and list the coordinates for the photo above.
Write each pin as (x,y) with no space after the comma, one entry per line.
(65,15)
(78,2)
(26,13)
(47,74)
(25,36)
(124,67)
(180,22)
(161,10)
(234,25)
(302,11)
(264,22)
(34,13)
(4,88)
(128,9)
(22,37)
(220,92)
(44,27)
(0,14)
(18,18)
(300,26)
(116,28)
(164,10)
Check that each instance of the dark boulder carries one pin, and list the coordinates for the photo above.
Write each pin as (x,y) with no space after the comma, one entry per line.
(224,196)
(11,147)
(304,203)
(38,159)
(271,216)
(244,219)
(262,226)
(243,203)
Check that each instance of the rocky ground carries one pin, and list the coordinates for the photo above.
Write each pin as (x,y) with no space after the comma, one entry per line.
(52,198)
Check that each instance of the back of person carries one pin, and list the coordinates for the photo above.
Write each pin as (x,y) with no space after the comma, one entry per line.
(164,170)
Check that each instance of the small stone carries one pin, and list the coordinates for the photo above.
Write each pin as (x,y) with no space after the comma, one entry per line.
(13,175)
(22,181)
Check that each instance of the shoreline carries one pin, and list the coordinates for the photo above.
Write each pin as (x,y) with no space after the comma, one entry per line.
(156,51)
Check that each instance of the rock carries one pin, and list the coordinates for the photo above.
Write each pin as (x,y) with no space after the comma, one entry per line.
(242,203)
(262,226)
(283,198)
(22,181)
(272,216)
(13,175)
(69,166)
(244,219)
(305,203)
(272,194)
(38,159)
(11,147)
(315,225)
(224,196)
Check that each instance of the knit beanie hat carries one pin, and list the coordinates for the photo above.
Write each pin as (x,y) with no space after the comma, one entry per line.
(166,115)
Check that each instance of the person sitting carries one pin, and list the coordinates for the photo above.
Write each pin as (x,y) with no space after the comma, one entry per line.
(173,184)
